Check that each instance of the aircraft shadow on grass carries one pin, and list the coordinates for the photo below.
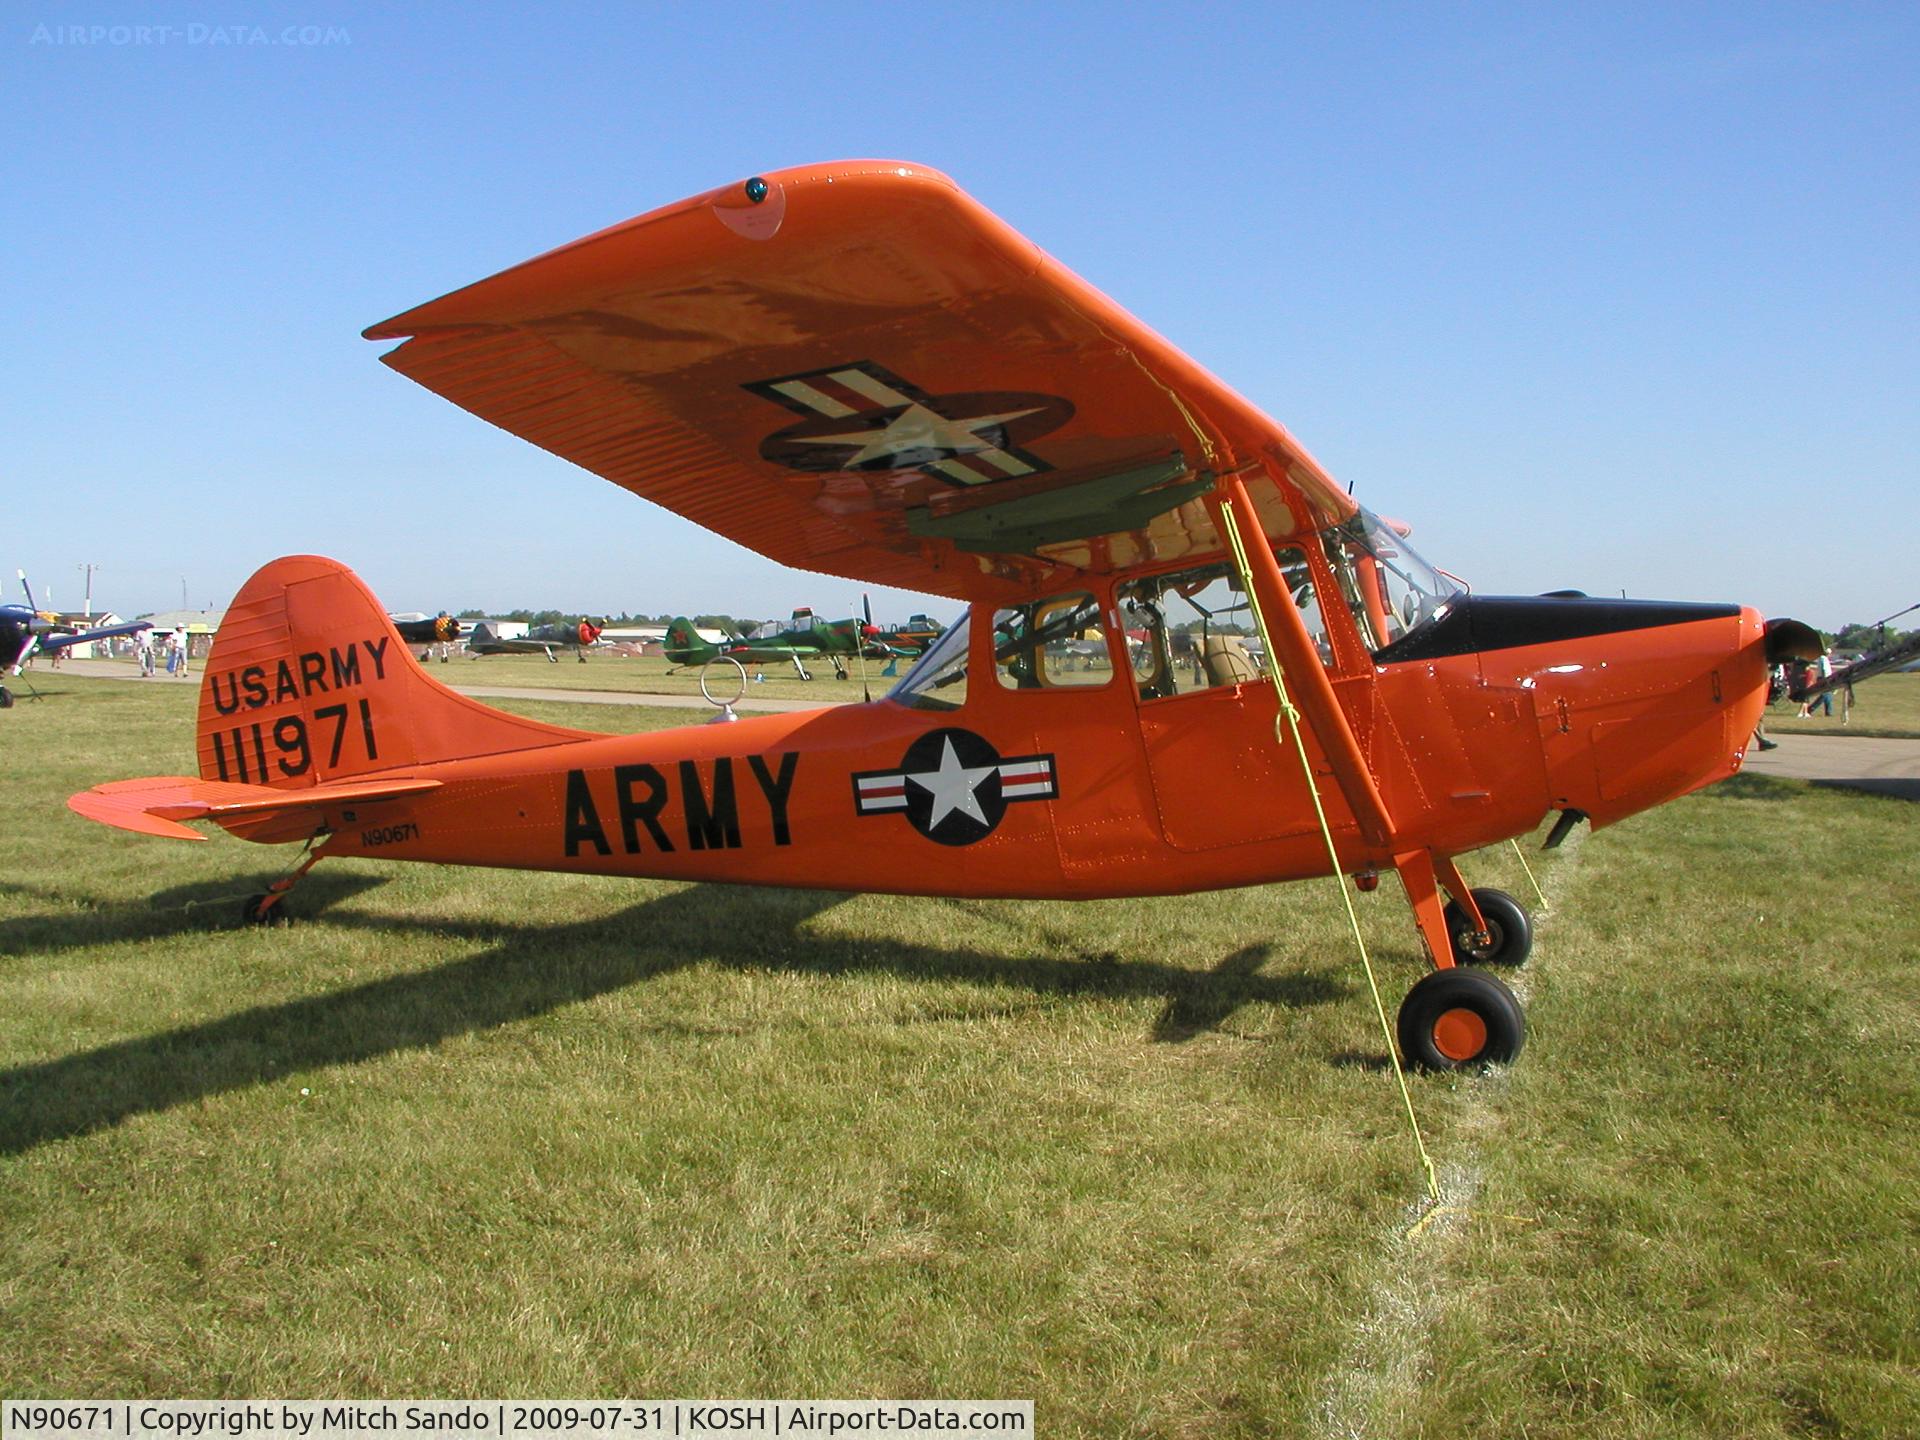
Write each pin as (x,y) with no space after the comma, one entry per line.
(1751,787)
(170,912)
(535,969)
(1770,787)
(1891,788)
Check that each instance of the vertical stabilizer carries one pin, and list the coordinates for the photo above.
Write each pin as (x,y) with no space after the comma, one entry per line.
(309,682)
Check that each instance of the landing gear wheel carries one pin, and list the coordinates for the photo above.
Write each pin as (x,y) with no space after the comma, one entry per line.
(256,911)
(1509,930)
(1460,1019)
(6,698)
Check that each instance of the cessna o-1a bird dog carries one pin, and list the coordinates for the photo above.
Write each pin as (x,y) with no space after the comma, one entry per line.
(855,368)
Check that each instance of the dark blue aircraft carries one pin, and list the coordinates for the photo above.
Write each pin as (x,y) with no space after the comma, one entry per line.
(26,631)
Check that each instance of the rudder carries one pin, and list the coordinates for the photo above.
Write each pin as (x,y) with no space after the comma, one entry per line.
(683,645)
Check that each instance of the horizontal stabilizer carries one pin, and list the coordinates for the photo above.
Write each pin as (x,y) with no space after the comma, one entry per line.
(156,805)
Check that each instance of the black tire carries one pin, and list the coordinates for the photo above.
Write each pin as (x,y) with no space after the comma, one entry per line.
(6,698)
(1460,1019)
(256,911)
(1508,925)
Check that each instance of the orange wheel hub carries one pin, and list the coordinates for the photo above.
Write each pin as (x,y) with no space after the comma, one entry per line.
(1459,1034)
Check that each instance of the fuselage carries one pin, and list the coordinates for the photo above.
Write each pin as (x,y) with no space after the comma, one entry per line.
(1488,717)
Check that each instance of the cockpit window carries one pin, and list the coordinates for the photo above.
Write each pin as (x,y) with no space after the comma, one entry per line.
(938,679)
(1051,644)
(1190,630)
(1194,630)
(1386,584)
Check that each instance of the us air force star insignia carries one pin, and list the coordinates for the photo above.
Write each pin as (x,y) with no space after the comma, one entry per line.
(863,417)
(954,786)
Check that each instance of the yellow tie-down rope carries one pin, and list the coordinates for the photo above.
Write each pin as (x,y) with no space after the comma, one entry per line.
(1290,717)
(1539,894)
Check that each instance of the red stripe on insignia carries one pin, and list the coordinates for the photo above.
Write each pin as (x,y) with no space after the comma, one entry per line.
(832,385)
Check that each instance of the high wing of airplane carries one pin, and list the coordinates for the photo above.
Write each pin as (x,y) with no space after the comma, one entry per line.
(26,631)
(856,369)
(540,640)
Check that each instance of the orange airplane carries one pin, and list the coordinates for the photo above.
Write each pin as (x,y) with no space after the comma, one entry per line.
(856,369)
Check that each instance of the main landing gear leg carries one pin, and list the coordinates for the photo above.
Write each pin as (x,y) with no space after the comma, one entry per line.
(1421,881)
(265,909)
(1455,1018)
(1463,899)
(1486,927)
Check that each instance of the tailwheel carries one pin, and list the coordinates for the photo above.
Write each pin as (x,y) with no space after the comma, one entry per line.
(1456,1019)
(1509,930)
(265,909)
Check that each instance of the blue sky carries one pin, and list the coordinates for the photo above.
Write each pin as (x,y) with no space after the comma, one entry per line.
(1596,296)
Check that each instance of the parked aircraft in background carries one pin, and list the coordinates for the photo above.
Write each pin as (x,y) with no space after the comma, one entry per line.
(26,631)
(805,638)
(430,631)
(433,630)
(685,646)
(540,640)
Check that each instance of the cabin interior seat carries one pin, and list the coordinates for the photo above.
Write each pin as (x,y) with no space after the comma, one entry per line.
(1226,662)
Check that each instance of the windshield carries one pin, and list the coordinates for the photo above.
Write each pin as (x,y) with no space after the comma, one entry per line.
(938,679)
(1389,588)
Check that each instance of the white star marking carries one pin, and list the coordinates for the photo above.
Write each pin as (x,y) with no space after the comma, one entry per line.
(952,787)
(917,428)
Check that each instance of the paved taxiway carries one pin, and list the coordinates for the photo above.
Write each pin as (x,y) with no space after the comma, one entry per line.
(1853,762)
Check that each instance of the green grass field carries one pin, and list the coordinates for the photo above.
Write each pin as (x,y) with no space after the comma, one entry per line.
(464,1132)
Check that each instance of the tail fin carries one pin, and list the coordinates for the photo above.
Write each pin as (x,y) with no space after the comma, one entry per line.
(309,683)
(683,645)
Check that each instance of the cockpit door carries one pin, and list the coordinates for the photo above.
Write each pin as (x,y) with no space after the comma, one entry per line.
(1207,707)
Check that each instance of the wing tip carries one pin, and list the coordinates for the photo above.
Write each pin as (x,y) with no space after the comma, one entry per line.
(125,805)
(446,310)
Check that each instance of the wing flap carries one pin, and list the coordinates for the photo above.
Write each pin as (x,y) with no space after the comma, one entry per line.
(155,805)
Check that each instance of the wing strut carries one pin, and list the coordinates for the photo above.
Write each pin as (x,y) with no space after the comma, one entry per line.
(1303,667)
(1272,602)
